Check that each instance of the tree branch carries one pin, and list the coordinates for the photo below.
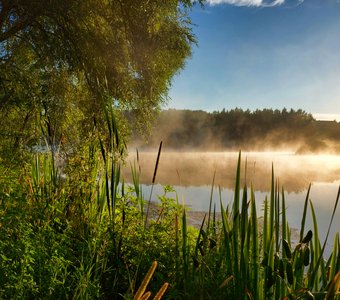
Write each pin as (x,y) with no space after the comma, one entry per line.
(15,28)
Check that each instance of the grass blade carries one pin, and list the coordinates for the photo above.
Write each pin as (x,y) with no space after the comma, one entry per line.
(316,267)
(210,201)
(303,221)
(153,181)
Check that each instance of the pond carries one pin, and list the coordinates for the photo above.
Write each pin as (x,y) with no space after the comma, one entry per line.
(191,174)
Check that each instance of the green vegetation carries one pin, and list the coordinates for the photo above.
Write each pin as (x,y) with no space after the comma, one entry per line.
(243,129)
(96,237)
(61,59)
(73,75)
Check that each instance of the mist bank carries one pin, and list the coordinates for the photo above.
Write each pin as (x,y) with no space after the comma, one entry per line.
(236,129)
(188,169)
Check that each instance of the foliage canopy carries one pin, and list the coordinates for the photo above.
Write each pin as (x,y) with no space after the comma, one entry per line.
(60,58)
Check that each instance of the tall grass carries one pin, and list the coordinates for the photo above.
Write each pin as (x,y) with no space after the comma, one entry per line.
(95,238)
(256,260)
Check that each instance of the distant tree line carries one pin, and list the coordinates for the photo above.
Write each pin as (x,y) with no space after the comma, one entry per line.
(265,129)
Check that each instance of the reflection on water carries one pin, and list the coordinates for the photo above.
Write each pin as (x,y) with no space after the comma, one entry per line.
(322,195)
(191,175)
(295,172)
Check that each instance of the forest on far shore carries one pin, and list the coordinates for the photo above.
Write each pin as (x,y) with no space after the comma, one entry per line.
(259,130)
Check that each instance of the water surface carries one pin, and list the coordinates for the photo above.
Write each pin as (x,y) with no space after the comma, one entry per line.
(191,174)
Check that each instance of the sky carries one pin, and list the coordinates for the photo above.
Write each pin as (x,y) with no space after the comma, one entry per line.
(255,54)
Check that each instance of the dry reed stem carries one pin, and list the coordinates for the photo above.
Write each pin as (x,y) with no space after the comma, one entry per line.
(146,296)
(146,281)
(161,292)
(334,287)
(226,281)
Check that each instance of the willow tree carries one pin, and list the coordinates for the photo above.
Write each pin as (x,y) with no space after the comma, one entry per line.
(59,59)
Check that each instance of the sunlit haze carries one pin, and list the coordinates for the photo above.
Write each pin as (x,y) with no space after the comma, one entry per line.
(256,54)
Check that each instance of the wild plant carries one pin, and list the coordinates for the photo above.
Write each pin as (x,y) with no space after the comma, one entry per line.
(90,235)
(245,257)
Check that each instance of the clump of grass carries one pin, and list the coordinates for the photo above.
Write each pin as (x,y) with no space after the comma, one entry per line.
(239,260)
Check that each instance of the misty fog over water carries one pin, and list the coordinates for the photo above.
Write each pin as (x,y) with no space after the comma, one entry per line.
(294,172)
(191,174)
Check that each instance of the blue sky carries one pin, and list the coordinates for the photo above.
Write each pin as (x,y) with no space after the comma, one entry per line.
(263,54)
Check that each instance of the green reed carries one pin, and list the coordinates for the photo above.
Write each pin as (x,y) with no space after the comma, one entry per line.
(255,259)
(115,238)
